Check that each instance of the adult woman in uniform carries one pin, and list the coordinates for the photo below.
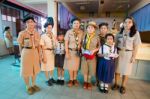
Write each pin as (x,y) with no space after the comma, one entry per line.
(88,62)
(29,48)
(127,42)
(72,46)
(103,27)
(8,40)
(48,44)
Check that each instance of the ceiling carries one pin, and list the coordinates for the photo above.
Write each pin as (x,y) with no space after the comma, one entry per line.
(92,6)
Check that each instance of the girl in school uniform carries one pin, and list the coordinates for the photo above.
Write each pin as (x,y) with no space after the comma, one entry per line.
(28,40)
(89,48)
(127,42)
(73,40)
(103,27)
(106,65)
(59,57)
(47,43)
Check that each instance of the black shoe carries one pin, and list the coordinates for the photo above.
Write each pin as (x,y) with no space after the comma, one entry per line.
(115,87)
(49,82)
(58,82)
(122,90)
(62,82)
(106,90)
(101,89)
(52,80)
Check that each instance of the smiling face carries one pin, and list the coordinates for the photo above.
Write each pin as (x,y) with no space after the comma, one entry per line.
(49,28)
(128,24)
(30,24)
(76,24)
(60,37)
(90,29)
(110,40)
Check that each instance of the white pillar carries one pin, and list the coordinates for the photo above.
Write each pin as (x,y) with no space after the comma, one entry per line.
(52,12)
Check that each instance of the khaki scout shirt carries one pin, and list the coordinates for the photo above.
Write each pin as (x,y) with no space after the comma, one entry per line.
(71,38)
(95,42)
(127,42)
(26,40)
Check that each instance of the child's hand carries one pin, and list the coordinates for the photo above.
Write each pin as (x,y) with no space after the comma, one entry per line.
(106,55)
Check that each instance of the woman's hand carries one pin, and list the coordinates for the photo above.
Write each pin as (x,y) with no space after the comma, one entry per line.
(67,55)
(132,60)
(44,60)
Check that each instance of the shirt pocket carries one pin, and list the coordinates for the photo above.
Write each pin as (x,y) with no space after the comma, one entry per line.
(26,42)
(129,43)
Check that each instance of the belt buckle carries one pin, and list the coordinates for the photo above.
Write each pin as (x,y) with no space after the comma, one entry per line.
(123,49)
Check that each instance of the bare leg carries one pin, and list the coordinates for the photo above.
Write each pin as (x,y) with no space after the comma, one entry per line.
(33,80)
(51,74)
(124,80)
(71,74)
(85,78)
(62,72)
(26,80)
(47,75)
(59,72)
(117,77)
(75,75)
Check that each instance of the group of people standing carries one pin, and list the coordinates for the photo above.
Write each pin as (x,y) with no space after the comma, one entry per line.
(97,54)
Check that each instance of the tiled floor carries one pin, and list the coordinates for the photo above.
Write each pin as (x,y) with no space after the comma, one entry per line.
(12,86)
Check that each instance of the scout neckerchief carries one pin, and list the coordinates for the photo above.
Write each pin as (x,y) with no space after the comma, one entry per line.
(76,39)
(102,39)
(32,36)
(110,50)
(89,37)
(51,38)
(124,39)
(60,43)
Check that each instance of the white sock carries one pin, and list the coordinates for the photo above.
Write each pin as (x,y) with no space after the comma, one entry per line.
(59,78)
(106,86)
(62,78)
(102,85)
(50,77)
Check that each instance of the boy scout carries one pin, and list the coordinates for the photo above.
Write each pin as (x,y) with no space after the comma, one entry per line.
(89,48)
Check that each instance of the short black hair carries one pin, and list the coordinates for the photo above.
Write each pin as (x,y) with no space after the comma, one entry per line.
(75,19)
(109,34)
(103,24)
(6,28)
(28,17)
(49,21)
(60,33)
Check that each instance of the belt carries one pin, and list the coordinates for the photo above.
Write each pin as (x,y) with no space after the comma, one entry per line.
(119,49)
(29,47)
(49,49)
(73,49)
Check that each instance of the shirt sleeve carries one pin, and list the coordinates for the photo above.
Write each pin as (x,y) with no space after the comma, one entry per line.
(67,36)
(137,40)
(20,38)
(41,41)
(100,50)
(98,42)
(116,40)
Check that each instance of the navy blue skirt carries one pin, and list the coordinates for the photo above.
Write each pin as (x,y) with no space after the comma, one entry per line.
(106,69)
